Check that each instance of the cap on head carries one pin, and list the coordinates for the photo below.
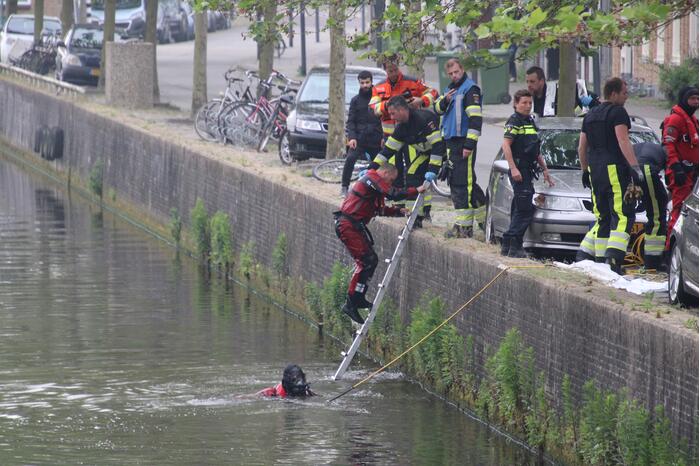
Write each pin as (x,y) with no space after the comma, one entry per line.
(294,381)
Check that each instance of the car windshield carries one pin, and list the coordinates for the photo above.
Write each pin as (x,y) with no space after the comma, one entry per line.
(26,26)
(87,38)
(317,84)
(121,4)
(560,147)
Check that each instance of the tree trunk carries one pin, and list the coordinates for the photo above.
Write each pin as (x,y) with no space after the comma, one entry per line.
(151,35)
(110,9)
(67,15)
(38,20)
(11,8)
(199,78)
(336,97)
(267,47)
(82,11)
(415,42)
(378,27)
(566,96)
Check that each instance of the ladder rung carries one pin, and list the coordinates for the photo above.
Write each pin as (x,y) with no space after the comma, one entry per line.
(381,285)
(343,353)
(388,261)
(401,237)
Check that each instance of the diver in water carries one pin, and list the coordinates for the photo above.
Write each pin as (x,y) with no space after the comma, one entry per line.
(293,384)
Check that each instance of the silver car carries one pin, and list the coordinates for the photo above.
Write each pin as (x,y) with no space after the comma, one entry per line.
(563,213)
(683,263)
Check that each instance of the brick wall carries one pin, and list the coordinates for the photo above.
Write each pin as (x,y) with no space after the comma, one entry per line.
(572,332)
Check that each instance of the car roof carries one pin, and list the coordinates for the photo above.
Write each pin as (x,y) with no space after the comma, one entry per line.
(353,69)
(86,26)
(574,123)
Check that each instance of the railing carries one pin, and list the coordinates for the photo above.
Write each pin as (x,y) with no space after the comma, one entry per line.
(50,84)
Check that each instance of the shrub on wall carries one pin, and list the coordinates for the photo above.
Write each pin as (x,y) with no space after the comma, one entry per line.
(221,240)
(199,219)
(673,78)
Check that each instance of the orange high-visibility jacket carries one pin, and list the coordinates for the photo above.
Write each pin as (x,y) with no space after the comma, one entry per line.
(384,90)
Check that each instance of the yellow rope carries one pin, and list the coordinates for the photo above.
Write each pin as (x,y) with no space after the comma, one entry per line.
(432,332)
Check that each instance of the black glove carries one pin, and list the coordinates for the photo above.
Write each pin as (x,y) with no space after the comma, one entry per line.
(679,175)
(637,175)
(586,179)
(445,170)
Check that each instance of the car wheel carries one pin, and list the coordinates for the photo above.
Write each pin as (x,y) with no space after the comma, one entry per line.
(489,232)
(676,290)
(283,149)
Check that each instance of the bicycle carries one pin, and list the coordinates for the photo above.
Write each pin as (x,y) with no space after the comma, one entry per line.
(206,122)
(331,171)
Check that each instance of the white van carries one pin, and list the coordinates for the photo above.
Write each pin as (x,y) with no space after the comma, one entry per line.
(17,35)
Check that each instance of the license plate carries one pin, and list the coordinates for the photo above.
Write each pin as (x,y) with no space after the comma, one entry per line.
(95,72)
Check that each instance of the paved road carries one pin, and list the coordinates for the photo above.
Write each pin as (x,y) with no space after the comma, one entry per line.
(228,48)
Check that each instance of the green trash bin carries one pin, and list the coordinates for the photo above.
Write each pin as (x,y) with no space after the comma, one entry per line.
(495,80)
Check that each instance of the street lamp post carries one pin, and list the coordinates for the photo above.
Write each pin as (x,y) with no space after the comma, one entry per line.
(302,28)
(318,27)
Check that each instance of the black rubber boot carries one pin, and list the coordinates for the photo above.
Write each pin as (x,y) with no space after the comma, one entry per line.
(583,256)
(426,214)
(419,222)
(458,231)
(505,246)
(359,301)
(516,248)
(351,311)
(615,265)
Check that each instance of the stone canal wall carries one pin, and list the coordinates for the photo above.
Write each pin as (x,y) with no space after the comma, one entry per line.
(574,328)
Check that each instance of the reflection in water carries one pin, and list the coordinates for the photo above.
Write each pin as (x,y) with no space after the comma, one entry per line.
(115,350)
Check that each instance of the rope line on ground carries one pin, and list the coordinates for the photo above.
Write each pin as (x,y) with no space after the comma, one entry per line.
(442,324)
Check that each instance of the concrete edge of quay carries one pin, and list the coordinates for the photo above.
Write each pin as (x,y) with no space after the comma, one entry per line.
(575,327)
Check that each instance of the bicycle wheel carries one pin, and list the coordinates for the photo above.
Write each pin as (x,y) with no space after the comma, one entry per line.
(243,124)
(205,121)
(329,171)
(360,165)
(283,149)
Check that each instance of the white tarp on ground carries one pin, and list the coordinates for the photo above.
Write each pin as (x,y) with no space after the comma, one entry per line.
(602,272)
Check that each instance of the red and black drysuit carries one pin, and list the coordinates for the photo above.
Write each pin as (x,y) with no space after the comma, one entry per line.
(680,139)
(277,390)
(365,200)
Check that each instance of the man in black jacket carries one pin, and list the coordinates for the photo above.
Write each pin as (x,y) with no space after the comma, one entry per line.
(363,129)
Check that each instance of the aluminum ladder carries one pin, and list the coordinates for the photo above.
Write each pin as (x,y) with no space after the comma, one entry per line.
(393,263)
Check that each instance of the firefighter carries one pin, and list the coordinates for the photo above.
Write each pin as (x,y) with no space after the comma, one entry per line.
(652,160)
(460,108)
(365,200)
(608,167)
(680,138)
(521,147)
(544,94)
(418,96)
(418,133)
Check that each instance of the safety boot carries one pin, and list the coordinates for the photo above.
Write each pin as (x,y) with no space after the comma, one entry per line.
(418,223)
(505,246)
(351,311)
(516,248)
(583,256)
(359,301)
(426,215)
(615,265)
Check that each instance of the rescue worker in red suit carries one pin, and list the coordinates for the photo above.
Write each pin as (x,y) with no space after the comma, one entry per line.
(365,200)
(680,139)
(293,384)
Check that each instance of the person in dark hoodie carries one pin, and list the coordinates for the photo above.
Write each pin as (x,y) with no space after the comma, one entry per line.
(680,139)
(293,384)
(363,129)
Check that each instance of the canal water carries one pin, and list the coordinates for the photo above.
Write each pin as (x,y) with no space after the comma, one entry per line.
(115,351)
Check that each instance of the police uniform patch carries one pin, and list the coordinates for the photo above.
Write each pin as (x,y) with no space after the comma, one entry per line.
(475,98)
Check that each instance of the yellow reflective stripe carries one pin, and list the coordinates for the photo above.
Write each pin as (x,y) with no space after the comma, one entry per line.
(428,95)
(473,136)
(380,159)
(656,226)
(435,159)
(617,201)
(473,110)
(474,131)
(417,163)
(393,144)
(618,240)
(437,105)
(434,137)
(388,128)
(480,214)
(392,160)
(530,131)
(412,153)
(588,243)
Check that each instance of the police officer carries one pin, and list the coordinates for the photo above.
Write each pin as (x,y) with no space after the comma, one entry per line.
(652,160)
(460,107)
(608,165)
(417,131)
(521,147)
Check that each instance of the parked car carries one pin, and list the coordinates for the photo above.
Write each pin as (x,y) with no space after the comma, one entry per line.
(189,11)
(307,124)
(130,16)
(563,213)
(17,34)
(78,56)
(176,18)
(683,257)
